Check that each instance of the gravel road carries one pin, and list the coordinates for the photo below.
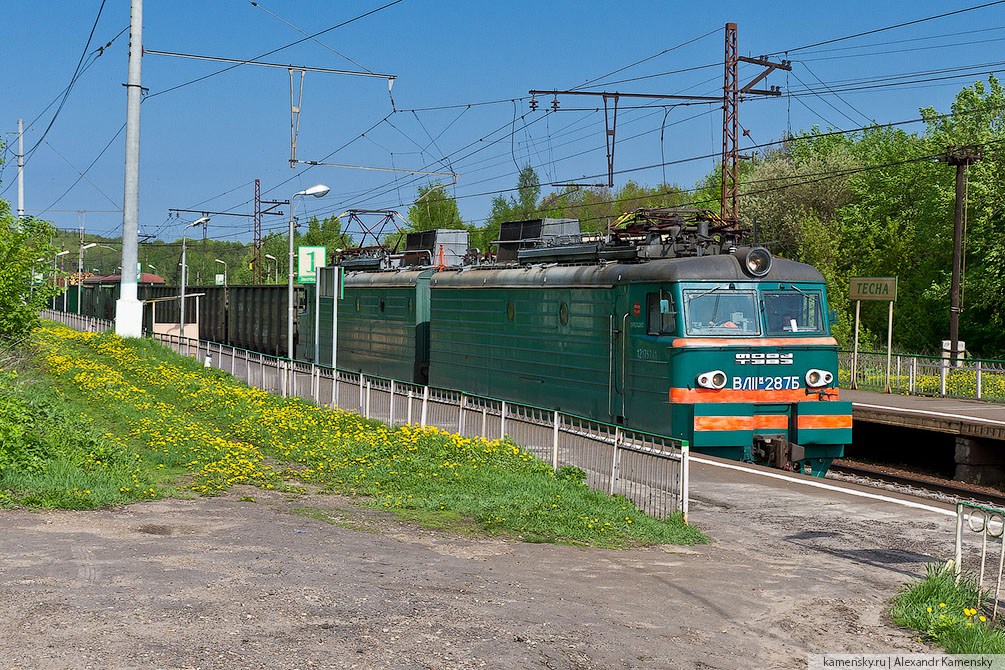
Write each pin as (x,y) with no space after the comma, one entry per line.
(222,583)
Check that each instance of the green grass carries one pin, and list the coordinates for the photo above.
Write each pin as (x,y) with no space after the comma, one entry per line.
(948,612)
(53,456)
(169,425)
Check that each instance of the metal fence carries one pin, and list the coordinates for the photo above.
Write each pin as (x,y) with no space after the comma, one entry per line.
(650,470)
(987,524)
(972,378)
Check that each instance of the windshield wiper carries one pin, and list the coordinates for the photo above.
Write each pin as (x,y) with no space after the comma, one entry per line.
(711,290)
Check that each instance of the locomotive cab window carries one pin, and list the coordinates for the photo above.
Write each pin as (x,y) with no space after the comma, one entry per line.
(793,312)
(721,312)
(661,315)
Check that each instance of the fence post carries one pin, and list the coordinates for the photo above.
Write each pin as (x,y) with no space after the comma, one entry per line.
(944,376)
(367,412)
(425,406)
(390,412)
(284,371)
(898,370)
(485,421)
(615,460)
(361,390)
(912,375)
(958,556)
(502,422)
(979,380)
(554,442)
(334,387)
(685,478)
(460,415)
(409,406)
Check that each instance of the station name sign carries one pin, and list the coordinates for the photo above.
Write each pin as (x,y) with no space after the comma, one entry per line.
(874,288)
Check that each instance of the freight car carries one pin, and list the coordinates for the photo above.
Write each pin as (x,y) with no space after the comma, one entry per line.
(247,317)
(720,345)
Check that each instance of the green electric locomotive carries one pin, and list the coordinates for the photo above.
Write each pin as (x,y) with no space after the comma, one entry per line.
(727,348)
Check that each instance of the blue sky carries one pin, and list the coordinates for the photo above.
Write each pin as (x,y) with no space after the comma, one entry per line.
(203,145)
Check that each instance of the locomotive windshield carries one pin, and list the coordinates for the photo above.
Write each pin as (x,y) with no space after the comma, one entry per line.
(721,312)
(793,312)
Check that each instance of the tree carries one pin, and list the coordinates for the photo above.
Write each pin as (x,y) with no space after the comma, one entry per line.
(22,242)
(434,208)
(524,206)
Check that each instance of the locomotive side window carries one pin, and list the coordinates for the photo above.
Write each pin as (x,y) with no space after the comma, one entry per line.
(793,312)
(720,312)
(661,315)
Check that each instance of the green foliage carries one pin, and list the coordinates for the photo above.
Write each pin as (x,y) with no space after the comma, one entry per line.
(22,243)
(434,208)
(949,611)
(180,413)
(860,204)
(51,455)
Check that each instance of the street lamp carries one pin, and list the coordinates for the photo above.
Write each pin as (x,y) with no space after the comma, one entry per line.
(80,271)
(275,268)
(318,191)
(224,271)
(201,221)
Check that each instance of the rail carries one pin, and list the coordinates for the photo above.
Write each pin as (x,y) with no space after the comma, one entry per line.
(650,470)
(971,378)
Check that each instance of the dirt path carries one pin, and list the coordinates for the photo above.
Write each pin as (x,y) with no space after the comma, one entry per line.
(220,583)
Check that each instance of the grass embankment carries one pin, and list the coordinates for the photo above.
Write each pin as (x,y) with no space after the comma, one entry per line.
(154,416)
(954,614)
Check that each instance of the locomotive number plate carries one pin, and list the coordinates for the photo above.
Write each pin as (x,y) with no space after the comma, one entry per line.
(763,359)
(765,383)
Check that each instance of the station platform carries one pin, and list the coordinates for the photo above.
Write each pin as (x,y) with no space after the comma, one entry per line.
(976,428)
(968,418)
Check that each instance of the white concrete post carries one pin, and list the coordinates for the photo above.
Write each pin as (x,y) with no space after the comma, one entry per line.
(554,442)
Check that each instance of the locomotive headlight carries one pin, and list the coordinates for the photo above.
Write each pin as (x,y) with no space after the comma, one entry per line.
(758,261)
(715,379)
(817,378)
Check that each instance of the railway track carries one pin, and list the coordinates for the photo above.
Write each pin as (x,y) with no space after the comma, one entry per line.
(945,490)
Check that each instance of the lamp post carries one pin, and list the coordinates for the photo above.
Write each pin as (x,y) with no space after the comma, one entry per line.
(80,271)
(201,221)
(275,268)
(224,271)
(318,191)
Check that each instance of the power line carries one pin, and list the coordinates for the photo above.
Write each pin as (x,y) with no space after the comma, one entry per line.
(269,53)
(912,39)
(826,102)
(73,80)
(897,51)
(897,25)
(82,174)
(647,58)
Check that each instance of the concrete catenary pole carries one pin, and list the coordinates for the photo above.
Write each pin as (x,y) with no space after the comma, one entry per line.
(128,309)
(20,168)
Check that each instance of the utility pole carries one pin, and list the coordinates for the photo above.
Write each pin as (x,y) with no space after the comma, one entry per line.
(732,93)
(961,157)
(20,168)
(128,309)
(256,262)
